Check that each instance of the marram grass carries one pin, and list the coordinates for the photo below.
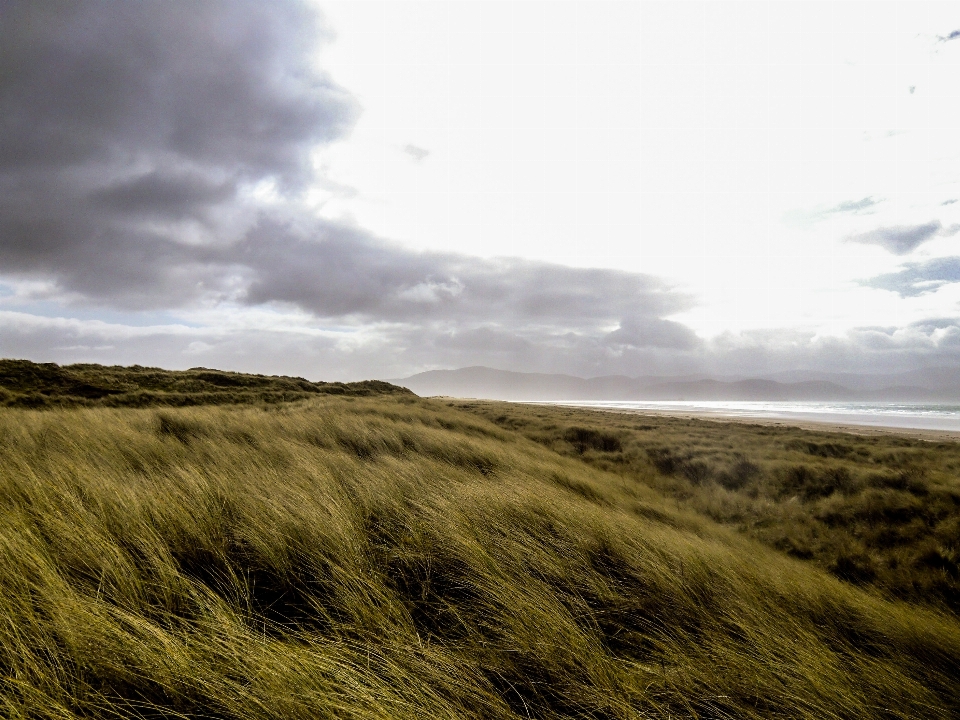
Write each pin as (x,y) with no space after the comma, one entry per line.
(392,557)
(879,510)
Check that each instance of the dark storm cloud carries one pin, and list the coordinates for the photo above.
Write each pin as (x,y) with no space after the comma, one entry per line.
(127,131)
(919,278)
(335,272)
(644,332)
(132,137)
(132,134)
(224,85)
(169,195)
(952,36)
(901,239)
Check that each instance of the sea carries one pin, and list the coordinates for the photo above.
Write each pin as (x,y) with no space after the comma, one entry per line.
(915,416)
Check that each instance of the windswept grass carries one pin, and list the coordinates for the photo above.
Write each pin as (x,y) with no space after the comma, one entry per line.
(48,385)
(878,510)
(392,557)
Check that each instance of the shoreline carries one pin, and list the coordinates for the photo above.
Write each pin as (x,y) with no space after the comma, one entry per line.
(817,424)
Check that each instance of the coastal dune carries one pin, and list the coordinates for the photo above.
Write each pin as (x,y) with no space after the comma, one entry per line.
(390,556)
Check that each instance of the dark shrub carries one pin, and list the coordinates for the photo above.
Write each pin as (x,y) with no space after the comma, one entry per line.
(825,450)
(220,379)
(742,472)
(663,460)
(912,479)
(939,558)
(887,506)
(854,567)
(696,471)
(584,439)
(795,479)
(811,483)
(30,400)
(794,546)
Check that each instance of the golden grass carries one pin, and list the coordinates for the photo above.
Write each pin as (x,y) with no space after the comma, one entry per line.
(395,558)
(876,510)
(28,384)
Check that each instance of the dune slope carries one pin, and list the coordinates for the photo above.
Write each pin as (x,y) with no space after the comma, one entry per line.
(393,557)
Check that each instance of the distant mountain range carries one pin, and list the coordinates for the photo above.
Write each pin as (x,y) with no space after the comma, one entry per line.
(929,385)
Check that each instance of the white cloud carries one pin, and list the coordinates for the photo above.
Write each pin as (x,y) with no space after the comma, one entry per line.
(676,139)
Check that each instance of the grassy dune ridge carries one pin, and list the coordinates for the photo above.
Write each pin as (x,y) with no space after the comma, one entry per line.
(395,557)
(48,385)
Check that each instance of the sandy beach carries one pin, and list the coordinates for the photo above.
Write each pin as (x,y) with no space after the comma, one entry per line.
(817,423)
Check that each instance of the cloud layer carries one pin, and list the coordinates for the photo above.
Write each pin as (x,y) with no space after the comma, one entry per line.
(156,160)
(339,273)
(154,157)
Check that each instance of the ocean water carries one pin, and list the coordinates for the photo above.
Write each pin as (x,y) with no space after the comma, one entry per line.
(930,416)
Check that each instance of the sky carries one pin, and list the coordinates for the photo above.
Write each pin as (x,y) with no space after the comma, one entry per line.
(344,190)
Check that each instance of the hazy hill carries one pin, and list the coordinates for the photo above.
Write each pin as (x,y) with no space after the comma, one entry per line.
(484,382)
(941,380)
